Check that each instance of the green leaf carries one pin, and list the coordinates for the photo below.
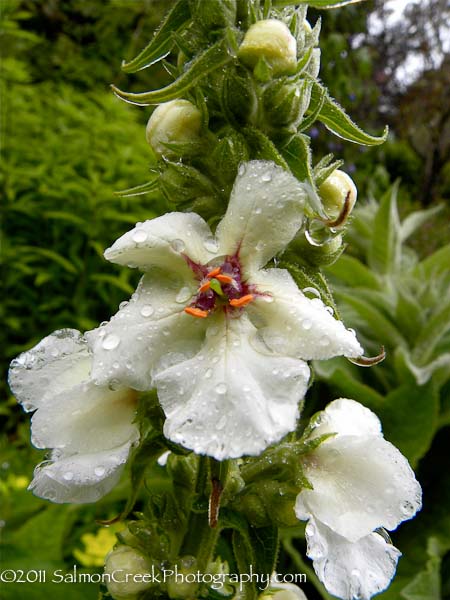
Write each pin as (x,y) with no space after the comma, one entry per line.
(410,416)
(265,544)
(51,255)
(384,251)
(354,273)
(432,333)
(416,220)
(162,41)
(434,265)
(264,147)
(338,122)
(426,585)
(299,158)
(210,60)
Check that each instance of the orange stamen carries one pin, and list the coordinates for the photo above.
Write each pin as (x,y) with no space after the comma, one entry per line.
(214,272)
(224,278)
(205,286)
(243,301)
(196,312)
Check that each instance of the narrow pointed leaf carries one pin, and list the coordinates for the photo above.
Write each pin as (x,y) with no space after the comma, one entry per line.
(162,42)
(138,190)
(338,122)
(417,219)
(384,252)
(212,59)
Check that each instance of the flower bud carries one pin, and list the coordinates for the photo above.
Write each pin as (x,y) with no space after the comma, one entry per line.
(282,591)
(334,191)
(128,572)
(184,581)
(272,41)
(286,103)
(174,122)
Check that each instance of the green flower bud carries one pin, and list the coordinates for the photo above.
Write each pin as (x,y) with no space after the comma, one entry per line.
(129,573)
(282,591)
(334,191)
(174,122)
(285,104)
(272,41)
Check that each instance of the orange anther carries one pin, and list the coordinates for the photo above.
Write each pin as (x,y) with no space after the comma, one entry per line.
(196,312)
(214,272)
(243,301)
(205,286)
(224,278)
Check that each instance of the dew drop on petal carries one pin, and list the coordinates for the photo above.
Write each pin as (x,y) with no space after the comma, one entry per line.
(407,508)
(258,210)
(211,245)
(208,374)
(110,342)
(311,290)
(221,422)
(183,295)
(221,388)
(306,324)
(139,236)
(266,177)
(147,310)
(123,304)
(324,341)
(68,476)
(178,245)
(54,352)
(99,471)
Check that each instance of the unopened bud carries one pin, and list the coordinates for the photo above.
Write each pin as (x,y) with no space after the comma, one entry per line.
(175,122)
(337,190)
(283,591)
(183,583)
(128,572)
(272,41)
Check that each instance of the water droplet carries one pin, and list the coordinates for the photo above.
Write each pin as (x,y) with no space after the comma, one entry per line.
(329,309)
(260,245)
(324,341)
(147,310)
(68,476)
(211,245)
(311,290)
(407,508)
(99,471)
(258,210)
(267,297)
(266,177)
(54,352)
(241,169)
(183,295)
(178,245)
(123,304)
(221,388)
(139,236)
(110,342)
(306,324)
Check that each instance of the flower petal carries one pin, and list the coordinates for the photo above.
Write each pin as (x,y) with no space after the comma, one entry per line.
(351,570)
(230,400)
(164,242)
(86,418)
(346,417)
(295,325)
(264,214)
(150,326)
(360,483)
(79,478)
(59,361)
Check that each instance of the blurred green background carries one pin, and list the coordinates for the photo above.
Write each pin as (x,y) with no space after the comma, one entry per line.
(67,144)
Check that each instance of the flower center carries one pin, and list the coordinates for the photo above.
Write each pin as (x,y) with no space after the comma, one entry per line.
(220,287)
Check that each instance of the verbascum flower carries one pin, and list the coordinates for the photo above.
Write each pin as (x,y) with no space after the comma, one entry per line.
(361,485)
(89,428)
(175,122)
(223,340)
(338,191)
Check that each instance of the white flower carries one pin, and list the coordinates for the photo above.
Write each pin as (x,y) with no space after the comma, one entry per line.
(230,380)
(361,483)
(88,427)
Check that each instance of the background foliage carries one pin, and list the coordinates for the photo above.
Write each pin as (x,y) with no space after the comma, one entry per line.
(68,144)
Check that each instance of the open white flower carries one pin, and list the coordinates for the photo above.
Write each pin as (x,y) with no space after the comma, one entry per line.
(89,428)
(223,340)
(361,484)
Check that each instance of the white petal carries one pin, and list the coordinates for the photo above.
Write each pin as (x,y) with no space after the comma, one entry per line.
(49,368)
(291,323)
(360,483)
(79,478)
(264,214)
(230,400)
(86,418)
(150,326)
(346,417)
(164,242)
(351,570)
